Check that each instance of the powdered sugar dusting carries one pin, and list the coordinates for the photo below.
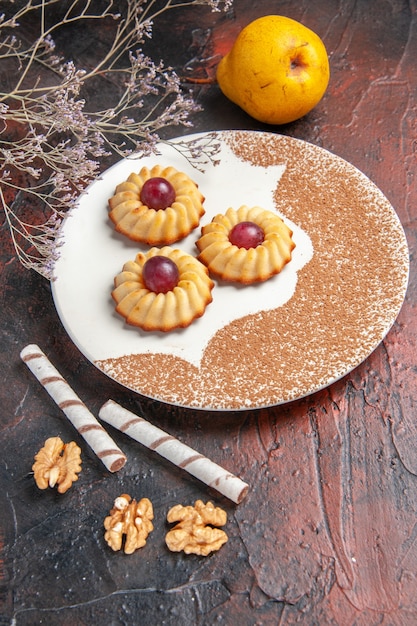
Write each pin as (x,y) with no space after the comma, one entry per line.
(346,298)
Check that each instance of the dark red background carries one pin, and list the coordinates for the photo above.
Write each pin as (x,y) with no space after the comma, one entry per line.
(328,532)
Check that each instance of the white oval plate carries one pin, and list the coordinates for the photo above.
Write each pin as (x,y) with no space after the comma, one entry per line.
(260,345)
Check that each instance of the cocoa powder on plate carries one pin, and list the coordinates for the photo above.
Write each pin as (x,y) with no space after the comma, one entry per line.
(346,299)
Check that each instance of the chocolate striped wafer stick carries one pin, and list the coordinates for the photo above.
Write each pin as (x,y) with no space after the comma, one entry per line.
(75,410)
(174,450)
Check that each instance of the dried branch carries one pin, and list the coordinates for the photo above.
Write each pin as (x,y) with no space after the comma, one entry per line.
(51,146)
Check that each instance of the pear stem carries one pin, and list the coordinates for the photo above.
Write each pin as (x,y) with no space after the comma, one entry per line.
(199,81)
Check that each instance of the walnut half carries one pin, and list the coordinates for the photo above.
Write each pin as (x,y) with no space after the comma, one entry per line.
(129,521)
(57,463)
(194,534)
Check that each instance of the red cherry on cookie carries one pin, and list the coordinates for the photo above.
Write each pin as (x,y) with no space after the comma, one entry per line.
(157,193)
(246,235)
(160,274)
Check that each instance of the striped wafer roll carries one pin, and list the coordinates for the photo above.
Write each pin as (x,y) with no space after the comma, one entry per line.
(174,450)
(75,410)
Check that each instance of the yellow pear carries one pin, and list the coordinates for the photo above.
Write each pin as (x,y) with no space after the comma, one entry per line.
(276,71)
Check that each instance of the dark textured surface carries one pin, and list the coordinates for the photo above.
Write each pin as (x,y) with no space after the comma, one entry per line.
(327,534)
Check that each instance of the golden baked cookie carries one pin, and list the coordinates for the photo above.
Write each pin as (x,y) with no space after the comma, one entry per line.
(246,245)
(158,206)
(162,289)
